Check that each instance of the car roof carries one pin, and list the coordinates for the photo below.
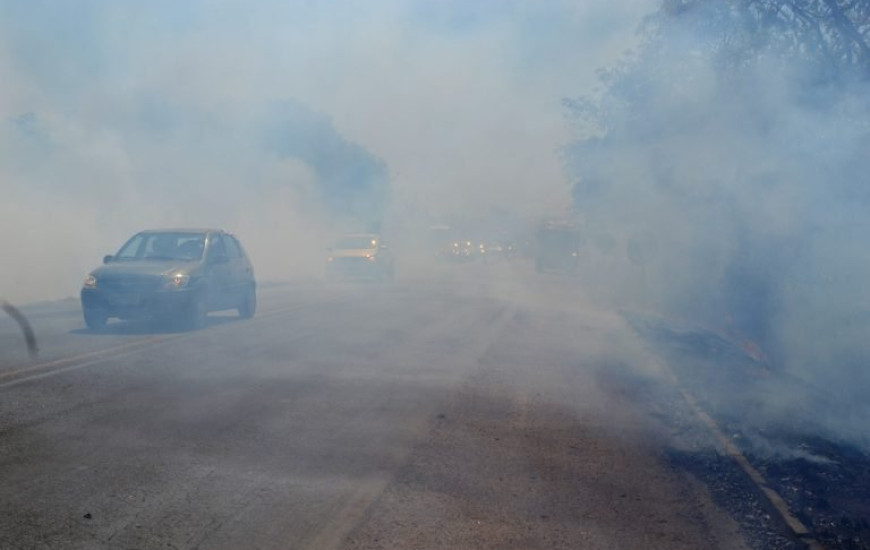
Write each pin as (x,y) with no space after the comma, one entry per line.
(184,230)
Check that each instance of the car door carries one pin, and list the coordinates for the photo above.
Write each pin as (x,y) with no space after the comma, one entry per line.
(219,274)
(240,274)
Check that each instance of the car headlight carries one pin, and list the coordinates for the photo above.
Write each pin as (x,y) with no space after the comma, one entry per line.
(177,280)
(90,282)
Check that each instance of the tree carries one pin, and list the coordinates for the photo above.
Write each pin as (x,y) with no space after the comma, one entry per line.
(739,133)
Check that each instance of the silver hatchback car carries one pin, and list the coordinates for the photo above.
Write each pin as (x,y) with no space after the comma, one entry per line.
(175,275)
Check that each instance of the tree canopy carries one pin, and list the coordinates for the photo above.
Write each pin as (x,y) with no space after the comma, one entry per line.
(738,133)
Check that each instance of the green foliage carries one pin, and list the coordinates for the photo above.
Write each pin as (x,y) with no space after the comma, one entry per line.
(738,134)
(823,42)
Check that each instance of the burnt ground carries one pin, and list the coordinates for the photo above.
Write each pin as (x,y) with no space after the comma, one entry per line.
(776,421)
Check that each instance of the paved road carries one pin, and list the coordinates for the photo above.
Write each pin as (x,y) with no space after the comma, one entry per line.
(462,412)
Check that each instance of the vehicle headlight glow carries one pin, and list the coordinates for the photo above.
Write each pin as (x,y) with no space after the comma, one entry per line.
(90,282)
(177,280)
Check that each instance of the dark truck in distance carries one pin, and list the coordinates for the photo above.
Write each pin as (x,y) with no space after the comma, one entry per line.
(176,276)
(557,246)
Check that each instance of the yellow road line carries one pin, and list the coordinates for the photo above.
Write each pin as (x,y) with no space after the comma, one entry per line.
(98,355)
(65,364)
(794,524)
(68,368)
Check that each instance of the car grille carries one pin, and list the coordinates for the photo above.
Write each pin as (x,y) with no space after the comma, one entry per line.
(354,264)
(130,284)
(354,261)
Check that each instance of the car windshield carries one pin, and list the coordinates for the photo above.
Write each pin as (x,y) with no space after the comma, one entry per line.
(356,242)
(163,246)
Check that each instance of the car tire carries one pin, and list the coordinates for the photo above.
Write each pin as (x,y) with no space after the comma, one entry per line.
(195,314)
(248,307)
(95,318)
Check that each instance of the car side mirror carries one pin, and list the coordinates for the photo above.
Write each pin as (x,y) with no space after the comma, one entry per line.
(108,258)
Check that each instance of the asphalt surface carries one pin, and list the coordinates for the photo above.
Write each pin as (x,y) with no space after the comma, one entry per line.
(491,408)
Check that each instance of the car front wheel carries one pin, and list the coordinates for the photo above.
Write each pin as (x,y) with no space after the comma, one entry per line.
(95,318)
(248,307)
(194,316)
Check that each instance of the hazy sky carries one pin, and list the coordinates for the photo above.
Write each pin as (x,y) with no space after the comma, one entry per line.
(119,115)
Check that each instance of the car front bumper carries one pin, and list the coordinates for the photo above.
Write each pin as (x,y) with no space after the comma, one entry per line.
(133,305)
(355,267)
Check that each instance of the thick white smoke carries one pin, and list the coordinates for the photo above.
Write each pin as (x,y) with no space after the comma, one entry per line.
(116,117)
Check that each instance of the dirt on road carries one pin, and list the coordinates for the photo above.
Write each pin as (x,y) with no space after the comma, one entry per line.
(545,455)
